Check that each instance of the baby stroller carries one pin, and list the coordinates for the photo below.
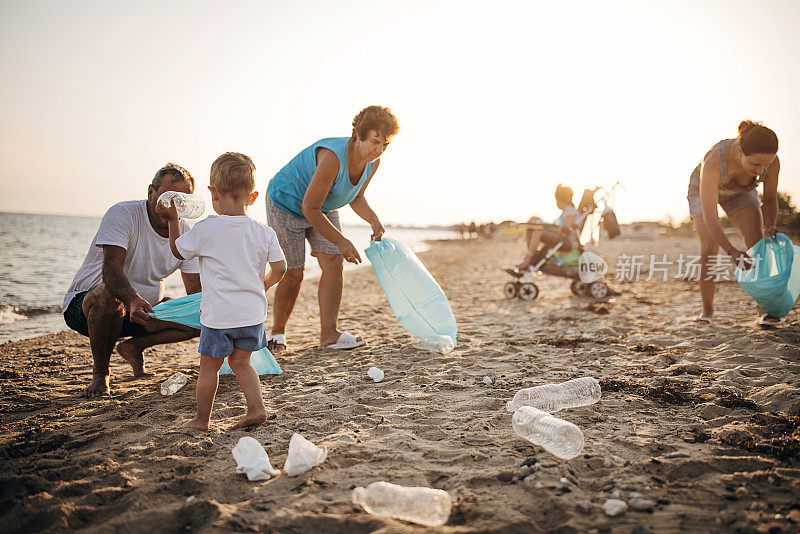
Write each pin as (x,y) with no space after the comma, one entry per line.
(563,258)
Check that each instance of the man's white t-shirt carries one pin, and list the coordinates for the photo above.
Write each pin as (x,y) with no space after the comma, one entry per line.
(148,261)
(233,253)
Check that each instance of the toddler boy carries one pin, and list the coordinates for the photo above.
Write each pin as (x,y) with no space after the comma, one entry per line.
(233,252)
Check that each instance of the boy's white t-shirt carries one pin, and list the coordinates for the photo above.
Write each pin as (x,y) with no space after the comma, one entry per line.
(233,253)
(148,260)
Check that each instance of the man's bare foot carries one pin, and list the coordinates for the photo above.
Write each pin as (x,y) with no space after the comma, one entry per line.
(98,386)
(133,355)
(196,424)
(251,419)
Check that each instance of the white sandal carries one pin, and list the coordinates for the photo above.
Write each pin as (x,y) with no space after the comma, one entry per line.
(701,321)
(768,321)
(277,339)
(346,341)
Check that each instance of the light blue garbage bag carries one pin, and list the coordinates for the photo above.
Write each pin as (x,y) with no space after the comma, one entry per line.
(416,299)
(774,282)
(186,310)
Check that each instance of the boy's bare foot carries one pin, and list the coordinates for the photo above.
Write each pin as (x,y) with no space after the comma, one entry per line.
(134,356)
(251,419)
(98,386)
(195,424)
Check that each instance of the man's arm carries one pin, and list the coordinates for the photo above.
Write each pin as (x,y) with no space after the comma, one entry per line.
(118,285)
(191,281)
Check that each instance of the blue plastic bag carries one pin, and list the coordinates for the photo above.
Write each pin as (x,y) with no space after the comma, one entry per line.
(416,299)
(186,310)
(774,281)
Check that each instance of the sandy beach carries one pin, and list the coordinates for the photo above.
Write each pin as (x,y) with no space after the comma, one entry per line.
(697,426)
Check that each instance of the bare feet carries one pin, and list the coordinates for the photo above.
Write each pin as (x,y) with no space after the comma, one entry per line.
(98,386)
(196,424)
(133,355)
(251,418)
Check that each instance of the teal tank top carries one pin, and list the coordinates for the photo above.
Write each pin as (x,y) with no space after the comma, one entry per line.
(287,188)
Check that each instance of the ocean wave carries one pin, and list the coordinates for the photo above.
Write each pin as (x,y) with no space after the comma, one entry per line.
(12,314)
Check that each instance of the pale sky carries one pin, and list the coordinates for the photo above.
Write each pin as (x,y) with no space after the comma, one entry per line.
(497,101)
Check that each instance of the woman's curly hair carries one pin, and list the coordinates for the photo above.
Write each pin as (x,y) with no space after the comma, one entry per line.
(376,118)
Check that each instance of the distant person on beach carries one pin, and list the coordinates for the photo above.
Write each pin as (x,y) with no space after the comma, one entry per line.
(302,200)
(539,241)
(728,176)
(123,275)
(472,229)
(233,251)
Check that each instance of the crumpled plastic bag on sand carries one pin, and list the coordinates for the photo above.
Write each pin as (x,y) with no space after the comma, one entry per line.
(253,460)
(303,455)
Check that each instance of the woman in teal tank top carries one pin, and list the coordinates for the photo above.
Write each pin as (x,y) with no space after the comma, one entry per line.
(728,176)
(302,199)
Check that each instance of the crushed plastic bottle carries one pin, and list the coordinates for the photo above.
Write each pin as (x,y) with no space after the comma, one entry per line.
(173,383)
(426,506)
(554,397)
(558,437)
(375,374)
(188,206)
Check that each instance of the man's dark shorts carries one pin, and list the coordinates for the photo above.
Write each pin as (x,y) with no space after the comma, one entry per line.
(75,319)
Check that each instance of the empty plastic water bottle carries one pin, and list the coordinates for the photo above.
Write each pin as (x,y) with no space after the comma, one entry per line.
(173,383)
(558,437)
(426,506)
(554,397)
(188,206)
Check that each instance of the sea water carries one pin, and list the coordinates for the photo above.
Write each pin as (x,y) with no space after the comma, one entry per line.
(40,254)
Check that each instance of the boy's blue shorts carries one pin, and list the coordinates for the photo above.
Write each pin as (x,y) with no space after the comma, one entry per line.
(219,342)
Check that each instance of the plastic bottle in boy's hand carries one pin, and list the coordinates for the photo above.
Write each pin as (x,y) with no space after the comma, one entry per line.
(174,383)
(189,206)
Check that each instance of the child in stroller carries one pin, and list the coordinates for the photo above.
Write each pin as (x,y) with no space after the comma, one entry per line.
(555,249)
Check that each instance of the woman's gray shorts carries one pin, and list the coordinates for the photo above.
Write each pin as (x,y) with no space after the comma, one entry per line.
(293,231)
(730,205)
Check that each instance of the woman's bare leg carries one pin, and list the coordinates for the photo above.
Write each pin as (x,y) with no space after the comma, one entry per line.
(708,248)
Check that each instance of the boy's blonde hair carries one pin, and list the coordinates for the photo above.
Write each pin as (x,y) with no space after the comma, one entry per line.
(233,172)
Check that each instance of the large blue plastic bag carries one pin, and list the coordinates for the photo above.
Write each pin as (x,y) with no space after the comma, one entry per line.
(416,299)
(774,281)
(186,310)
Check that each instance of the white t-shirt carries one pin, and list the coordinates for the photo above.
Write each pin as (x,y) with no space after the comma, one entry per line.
(148,261)
(233,253)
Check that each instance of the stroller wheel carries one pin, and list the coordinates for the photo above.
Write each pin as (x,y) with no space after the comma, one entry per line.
(598,290)
(528,291)
(578,288)
(511,289)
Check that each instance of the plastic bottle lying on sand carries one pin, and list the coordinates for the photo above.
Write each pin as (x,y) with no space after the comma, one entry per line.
(426,506)
(554,397)
(558,437)
(188,206)
(173,383)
